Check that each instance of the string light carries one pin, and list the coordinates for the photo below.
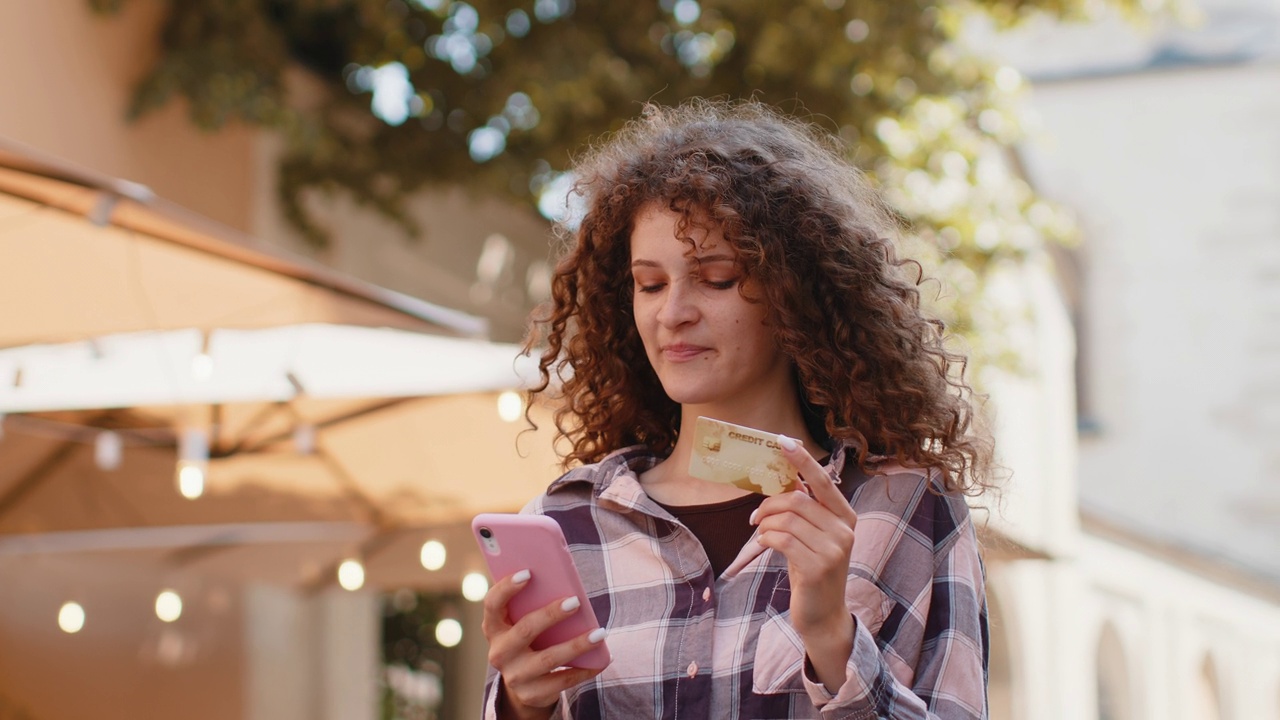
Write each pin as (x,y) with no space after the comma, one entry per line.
(71,618)
(433,555)
(108,450)
(448,632)
(474,586)
(193,462)
(351,575)
(168,606)
(304,438)
(510,406)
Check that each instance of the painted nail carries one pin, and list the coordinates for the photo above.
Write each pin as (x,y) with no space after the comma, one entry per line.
(787,443)
(752,520)
(570,604)
(597,635)
(521,577)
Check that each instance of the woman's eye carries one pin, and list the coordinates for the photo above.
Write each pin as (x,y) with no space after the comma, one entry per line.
(652,288)
(721,284)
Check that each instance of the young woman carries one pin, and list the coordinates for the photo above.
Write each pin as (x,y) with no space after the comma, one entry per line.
(731,265)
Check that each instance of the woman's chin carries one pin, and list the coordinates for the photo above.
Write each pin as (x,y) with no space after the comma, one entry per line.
(685,395)
(695,396)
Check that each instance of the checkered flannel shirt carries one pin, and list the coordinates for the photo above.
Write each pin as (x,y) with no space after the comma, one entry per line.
(686,644)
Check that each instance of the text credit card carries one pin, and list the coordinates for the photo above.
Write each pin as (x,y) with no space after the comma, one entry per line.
(740,456)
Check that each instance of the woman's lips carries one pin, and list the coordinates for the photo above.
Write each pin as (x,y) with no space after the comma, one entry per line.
(680,352)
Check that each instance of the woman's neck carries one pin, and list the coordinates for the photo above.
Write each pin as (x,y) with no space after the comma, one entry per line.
(669,482)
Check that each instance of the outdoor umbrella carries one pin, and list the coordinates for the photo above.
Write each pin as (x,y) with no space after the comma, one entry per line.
(328,419)
(141,332)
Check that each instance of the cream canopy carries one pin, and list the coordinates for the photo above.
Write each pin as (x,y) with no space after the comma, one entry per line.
(83,255)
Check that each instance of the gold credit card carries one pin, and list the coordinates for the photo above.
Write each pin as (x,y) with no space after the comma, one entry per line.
(740,456)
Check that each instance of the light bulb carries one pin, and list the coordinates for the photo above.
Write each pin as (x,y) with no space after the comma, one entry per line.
(108,450)
(351,575)
(71,617)
(168,606)
(448,632)
(433,555)
(304,438)
(193,462)
(190,480)
(510,406)
(474,586)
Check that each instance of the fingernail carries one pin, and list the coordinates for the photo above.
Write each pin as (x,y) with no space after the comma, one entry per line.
(787,443)
(521,577)
(597,635)
(570,604)
(752,520)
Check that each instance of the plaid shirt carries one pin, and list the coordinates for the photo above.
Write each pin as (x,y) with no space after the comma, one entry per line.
(686,644)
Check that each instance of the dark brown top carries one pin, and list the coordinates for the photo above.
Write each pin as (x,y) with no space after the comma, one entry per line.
(722,528)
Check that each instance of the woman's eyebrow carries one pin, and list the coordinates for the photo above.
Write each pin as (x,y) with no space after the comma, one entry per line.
(702,260)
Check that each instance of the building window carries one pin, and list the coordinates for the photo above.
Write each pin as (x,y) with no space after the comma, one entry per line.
(1070,264)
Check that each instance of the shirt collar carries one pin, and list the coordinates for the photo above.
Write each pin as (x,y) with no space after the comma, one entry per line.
(616,477)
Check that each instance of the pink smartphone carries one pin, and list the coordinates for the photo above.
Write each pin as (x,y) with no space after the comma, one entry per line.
(511,543)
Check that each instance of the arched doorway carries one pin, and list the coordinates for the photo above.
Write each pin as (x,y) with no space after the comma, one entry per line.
(1114,686)
(1207,691)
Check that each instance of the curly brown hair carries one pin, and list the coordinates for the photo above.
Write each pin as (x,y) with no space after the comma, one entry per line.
(871,367)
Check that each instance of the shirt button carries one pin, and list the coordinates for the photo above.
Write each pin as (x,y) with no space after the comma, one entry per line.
(706,594)
(693,669)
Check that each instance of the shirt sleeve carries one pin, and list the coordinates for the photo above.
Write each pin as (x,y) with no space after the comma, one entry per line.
(491,685)
(944,630)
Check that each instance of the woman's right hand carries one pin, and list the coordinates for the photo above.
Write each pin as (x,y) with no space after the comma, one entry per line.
(531,680)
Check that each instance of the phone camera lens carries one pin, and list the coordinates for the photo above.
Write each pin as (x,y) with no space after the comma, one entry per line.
(486,533)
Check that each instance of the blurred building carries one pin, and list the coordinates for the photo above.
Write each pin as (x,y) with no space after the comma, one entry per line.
(1159,507)
(1133,561)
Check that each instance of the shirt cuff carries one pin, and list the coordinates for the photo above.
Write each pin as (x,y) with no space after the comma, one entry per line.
(856,690)
(818,692)
(491,700)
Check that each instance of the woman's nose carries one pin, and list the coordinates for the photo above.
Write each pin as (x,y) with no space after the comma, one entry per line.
(679,306)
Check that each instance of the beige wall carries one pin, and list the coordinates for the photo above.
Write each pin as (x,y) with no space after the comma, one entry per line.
(66,78)
(1175,179)
(439,265)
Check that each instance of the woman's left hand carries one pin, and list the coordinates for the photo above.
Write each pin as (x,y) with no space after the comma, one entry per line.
(815,532)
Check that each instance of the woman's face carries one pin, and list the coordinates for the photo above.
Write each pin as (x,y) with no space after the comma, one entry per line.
(707,344)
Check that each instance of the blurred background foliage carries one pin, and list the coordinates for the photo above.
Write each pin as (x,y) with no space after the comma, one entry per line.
(497,95)
(416,665)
